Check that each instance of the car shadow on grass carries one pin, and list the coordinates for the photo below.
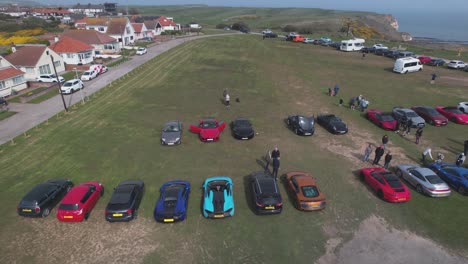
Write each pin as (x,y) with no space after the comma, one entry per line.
(248,194)
(291,196)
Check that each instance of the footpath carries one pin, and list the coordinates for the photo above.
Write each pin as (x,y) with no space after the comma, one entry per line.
(30,115)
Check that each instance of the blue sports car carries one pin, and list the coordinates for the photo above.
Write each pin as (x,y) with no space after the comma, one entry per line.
(453,175)
(218,201)
(172,202)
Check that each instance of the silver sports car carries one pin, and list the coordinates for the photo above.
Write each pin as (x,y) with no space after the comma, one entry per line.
(172,133)
(424,180)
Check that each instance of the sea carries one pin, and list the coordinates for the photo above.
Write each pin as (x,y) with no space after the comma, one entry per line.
(436,25)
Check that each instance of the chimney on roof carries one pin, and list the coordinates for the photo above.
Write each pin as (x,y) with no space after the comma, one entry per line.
(13,49)
(56,39)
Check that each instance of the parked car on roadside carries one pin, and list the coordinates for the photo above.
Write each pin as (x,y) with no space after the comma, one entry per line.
(382,119)
(99,68)
(141,51)
(392,54)
(387,185)
(379,46)
(50,78)
(452,175)
(89,75)
(266,31)
(368,50)
(381,52)
(436,62)
(71,86)
(43,197)
(308,41)
(424,59)
(405,54)
(453,114)
(456,64)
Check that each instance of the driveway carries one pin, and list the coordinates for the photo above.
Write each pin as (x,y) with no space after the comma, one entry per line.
(31,115)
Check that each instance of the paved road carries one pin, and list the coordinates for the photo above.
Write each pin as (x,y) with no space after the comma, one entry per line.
(30,115)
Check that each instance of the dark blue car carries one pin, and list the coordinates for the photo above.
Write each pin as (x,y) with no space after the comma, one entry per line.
(453,175)
(172,203)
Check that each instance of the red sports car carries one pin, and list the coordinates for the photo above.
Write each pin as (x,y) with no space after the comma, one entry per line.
(387,185)
(79,201)
(383,120)
(208,129)
(430,115)
(453,114)
(424,59)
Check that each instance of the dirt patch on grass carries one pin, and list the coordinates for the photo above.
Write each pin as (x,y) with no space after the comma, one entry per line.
(376,242)
(93,241)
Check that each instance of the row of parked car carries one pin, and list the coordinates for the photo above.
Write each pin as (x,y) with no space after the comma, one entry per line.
(77,202)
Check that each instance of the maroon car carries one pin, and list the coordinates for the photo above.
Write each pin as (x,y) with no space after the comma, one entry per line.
(431,115)
(424,59)
(383,120)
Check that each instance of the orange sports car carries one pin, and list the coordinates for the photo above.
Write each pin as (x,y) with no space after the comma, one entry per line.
(304,190)
(298,38)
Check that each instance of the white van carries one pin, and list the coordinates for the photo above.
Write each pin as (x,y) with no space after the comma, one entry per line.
(352,44)
(405,65)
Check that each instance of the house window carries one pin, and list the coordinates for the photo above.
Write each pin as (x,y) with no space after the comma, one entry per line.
(57,63)
(109,47)
(70,55)
(91,27)
(2,84)
(131,37)
(18,79)
(29,70)
(101,29)
(88,55)
(44,69)
(127,29)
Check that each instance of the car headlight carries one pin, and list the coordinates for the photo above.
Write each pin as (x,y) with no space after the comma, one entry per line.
(177,139)
(163,139)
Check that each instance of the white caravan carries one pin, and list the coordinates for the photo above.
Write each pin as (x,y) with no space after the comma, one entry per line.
(352,44)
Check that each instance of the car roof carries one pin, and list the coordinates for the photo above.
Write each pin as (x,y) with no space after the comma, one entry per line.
(38,191)
(172,122)
(302,178)
(122,194)
(75,194)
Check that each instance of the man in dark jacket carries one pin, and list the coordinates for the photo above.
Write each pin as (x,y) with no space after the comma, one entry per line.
(385,140)
(409,123)
(378,154)
(466,148)
(276,165)
(388,158)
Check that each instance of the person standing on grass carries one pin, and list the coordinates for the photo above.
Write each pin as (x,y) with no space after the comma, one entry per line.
(225,92)
(385,140)
(276,165)
(336,89)
(378,154)
(388,158)
(340,103)
(419,133)
(227,99)
(409,123)
(352,103)
(465,150)
(367,152)
(426,152)
(433,78)
(460,159)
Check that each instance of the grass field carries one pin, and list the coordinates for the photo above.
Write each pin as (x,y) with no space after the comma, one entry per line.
(115,136)
(6,114)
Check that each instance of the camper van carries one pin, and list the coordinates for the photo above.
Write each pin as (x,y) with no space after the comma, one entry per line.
(405,65)
(352,44)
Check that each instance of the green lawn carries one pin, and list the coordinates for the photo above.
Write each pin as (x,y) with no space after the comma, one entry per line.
(115,136)
(44,97)
(6,114)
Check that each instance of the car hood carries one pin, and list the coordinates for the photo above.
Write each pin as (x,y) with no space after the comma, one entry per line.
(171,136)
(243,131)
(416,120)
(209,133)
(339,126)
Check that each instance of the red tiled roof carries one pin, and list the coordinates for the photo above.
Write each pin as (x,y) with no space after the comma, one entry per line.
(26,55)
(116,26)
(166,22)
(89,36)
(9,73)
(69,45)
(137,27)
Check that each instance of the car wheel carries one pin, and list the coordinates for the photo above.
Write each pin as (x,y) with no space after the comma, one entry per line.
(461,109)
(380,194)
(45,212)
(419,189)
(405,72)
(86,216)
(462,190)
(399,173)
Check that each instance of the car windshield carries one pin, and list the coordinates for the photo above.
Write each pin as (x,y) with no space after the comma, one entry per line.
(432,112)
(86,73)
(306,122)
(392,180)
(434,179)
(67,84)
(310,191)
(243,123)
(141,49)
(453,110)
(209,124)
(68,207)
(411,114)
(217,185)
(171,128)
(386,117)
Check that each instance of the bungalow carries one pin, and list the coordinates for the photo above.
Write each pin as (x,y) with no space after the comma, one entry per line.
(35,60)
(151,26)
(10,78)
(118,28)
(166,24)
(73,51)
(141,31)
(102,43)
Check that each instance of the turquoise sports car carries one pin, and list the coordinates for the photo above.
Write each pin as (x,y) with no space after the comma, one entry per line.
(218,200)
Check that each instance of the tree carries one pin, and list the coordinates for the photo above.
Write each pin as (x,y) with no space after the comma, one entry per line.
(348,24)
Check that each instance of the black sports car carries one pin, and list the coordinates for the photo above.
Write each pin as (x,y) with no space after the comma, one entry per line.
(43,197)
(270,35)
(301,125)
(125,200)
(265,193)
(242,129)
(332,123)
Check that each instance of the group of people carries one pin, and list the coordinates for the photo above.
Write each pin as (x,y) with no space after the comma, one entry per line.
(360,102)
(404,126)
(379,152)
(273,157)
(334,91)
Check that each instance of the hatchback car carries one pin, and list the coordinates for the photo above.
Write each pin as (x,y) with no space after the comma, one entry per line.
(265,193)
(456,64)
(141,51)
(50,78)
(436,62)
(89,75)
(424,59)
(430,115)
(71,86)
(171,133)
(304,191)
(125,201)
(77,204)
(43,198)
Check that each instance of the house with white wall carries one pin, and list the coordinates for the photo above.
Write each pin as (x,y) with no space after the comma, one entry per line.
(165,24)
(35,60)
(141,31)
(102,43)
(118,28)
(73,51)
(11,79)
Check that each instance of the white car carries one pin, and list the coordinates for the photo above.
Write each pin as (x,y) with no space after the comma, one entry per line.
(99,68)
(71,86)
(308,40)
(267,31)
(456,64)
(380,46)
(88,75)
(463,106)
(50,78)
(141,51)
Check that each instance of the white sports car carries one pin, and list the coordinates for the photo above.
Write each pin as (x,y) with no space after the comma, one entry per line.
(463,106)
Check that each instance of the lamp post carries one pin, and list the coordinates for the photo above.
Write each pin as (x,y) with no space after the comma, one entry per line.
(82,86)
(58,81)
